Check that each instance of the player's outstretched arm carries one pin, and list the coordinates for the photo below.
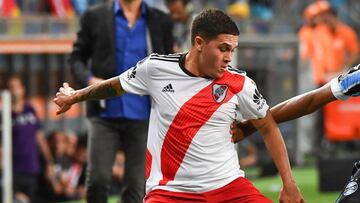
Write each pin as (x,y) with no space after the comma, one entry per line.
(102,90)
(342,87)
(276,147)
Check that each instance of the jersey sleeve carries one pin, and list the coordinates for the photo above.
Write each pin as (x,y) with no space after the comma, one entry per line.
(252,104)
(135,79)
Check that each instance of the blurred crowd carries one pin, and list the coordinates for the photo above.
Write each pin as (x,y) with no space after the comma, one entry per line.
(252,16)
(48,168)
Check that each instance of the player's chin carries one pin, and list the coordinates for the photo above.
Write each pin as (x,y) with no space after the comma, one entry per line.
(220,73)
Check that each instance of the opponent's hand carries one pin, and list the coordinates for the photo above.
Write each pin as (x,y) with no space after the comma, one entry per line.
(64,98)
(347,84)
(236,131)
(290,193)
(240,131)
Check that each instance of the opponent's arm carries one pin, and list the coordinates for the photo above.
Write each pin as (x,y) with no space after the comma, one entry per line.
(303,104)
(102,90)
(276,147)
(288,110)
(345,86)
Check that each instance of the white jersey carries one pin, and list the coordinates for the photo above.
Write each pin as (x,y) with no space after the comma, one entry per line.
(189,146)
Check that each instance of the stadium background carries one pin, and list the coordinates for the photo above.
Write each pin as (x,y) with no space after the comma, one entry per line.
(36,37)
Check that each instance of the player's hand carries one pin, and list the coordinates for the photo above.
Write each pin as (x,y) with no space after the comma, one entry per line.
(347,84)
(64,98)
(290,193)
(237,133)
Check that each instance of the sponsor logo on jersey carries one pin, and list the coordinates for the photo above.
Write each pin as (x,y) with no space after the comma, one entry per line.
(258,99)
(219,92)
(350,188)
(168,88)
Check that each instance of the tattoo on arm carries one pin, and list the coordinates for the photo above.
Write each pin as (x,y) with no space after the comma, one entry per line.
(102,90)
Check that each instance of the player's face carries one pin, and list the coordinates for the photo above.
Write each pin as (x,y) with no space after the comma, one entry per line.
(217,53)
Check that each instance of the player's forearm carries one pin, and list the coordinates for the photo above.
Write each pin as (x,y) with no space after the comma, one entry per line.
(102,90)
(276,147)
(302,105)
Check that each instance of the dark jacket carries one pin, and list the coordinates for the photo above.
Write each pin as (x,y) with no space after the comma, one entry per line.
(94,48)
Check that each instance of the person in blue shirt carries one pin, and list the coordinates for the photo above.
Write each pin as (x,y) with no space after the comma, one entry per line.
(113,36)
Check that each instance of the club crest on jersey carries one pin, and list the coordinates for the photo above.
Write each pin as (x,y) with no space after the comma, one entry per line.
(219,92)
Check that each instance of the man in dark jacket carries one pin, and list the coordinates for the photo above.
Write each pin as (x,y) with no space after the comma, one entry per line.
(112,38)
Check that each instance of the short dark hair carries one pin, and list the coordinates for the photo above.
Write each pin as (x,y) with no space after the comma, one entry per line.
(212,22)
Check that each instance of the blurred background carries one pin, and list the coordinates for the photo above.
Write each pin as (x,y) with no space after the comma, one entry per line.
(287,46)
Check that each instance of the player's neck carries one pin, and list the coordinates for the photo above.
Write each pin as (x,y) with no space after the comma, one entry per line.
(192,63)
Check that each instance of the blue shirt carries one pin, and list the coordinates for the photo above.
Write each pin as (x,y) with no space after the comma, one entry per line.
(130,47)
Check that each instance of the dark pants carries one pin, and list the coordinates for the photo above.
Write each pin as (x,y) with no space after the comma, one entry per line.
(26,184)
(105,137)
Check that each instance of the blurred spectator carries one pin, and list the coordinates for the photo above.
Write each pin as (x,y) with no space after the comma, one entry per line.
(341,45)
(27,137)
(262,9)
(58,144)
(330,47)
(68,180)
(240,9)
(74,184)
(262,14)
(113,37)
(329,44)
(307,31)
(181,12)
(71,146)
(9,8)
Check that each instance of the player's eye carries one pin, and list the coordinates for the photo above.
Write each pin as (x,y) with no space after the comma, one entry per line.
(224,49)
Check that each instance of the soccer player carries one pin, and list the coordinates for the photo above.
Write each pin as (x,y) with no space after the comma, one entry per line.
(195,97)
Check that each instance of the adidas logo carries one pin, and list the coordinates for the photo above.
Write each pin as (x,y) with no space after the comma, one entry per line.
(168,88)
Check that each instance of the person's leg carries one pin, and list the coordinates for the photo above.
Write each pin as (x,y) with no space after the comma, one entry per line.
(102,145)
(134,137)
(26,184)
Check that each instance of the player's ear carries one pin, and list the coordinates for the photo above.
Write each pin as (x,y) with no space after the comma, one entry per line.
(199,43)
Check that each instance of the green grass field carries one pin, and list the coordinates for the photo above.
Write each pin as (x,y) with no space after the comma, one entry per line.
(307,179)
